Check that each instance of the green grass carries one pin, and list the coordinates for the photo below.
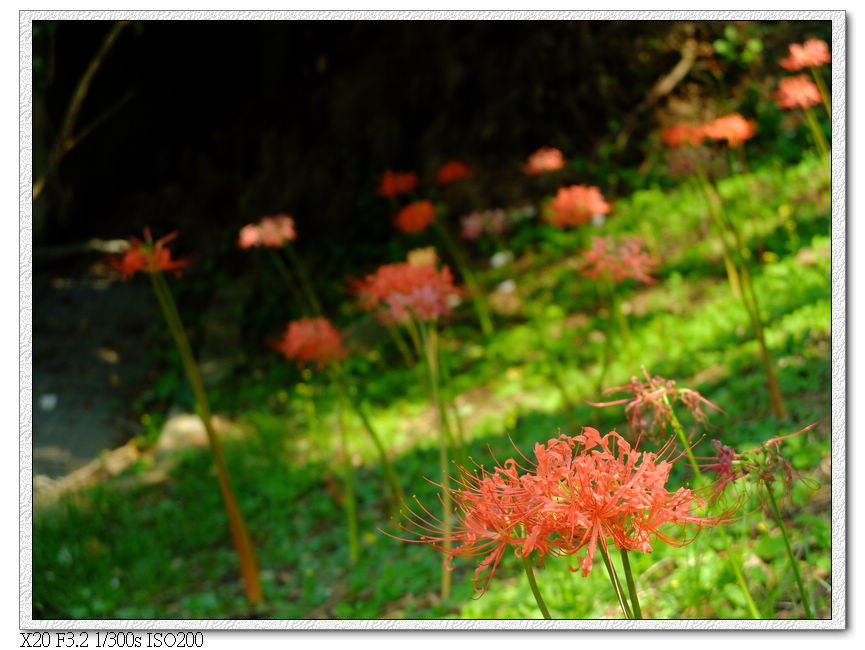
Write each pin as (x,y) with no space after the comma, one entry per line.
(128,550)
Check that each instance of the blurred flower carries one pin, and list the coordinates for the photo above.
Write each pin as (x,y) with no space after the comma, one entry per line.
(680,135)
(618,260)
(655,397)
(452,171)
(148,255)
(416,216)
(797,92)
(270,231)
(501,258)
(476,223)
(423,257)
(812,53)
(545,159)
(581,492)
(576,205)
(734,128)
(312,340)
(395,183)
(402,291)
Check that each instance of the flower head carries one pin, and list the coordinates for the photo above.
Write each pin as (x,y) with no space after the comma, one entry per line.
(649,409)
(576,205)
(148,255)
(312,340)
(734,128)
(545,159)
(581,492)
(270,231)
(797,92)
(402,291)
(416,216)
(452,171)
(476,223)
(618,260)
(396,183)
(680,135)
(423,257)
(812,53)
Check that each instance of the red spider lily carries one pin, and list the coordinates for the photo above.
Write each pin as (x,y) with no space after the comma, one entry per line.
(416,216)
(476,223)
(312,340)
(402,291)
(734,128)
(680,135)
(396,183)
(452,171)
(148,255)
(797,92)
(545,159)
(618,260)
(651,406)
(576,205)
(582,491)
(812,53)
(270,231)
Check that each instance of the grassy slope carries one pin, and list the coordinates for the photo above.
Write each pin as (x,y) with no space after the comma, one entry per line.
(163,550)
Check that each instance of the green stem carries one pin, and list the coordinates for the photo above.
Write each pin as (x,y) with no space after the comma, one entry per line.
(623,602)
(474,288)
(732,273)
(824,92)
(350,502)
(243,543)
(793,561)
(632,588)
(530,574)
(300,269)
(283,271)
(819,138)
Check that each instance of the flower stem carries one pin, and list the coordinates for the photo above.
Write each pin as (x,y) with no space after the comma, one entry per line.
(819,138)
(300,269)
(243,543)
(283,271)
(793,561)
(824,92)
(623,602)
(350,502)
(530,574)
(632,587)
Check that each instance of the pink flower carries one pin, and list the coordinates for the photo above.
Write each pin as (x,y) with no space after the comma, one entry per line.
(312,340)
(680,135)
(797,92)
(477,223)
(618,260)
(576,205)
(812,53)
(270,231)
(734,128)
(402,291)
(545,159)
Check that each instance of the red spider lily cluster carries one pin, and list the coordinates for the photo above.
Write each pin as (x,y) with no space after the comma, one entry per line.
(148,255)
(477,223)
(312,340)
(270,231)
(733,128)
(810,54)
(576,205)
(650,406)
(583,491)
(395,183)
(797,92)
(617,260)
(416,216)
(400,292)
(545,159)
(452,171)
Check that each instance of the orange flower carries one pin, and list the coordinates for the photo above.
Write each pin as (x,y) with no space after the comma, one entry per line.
(452,171)
(583,491)
(734,128)
(416,216)
(270,231)
(576,205)
(618,260)
(402,291)
(545,159)
(797,92)
(680,135)
(147,256)
(395,183)
(312,340)
(812,53)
